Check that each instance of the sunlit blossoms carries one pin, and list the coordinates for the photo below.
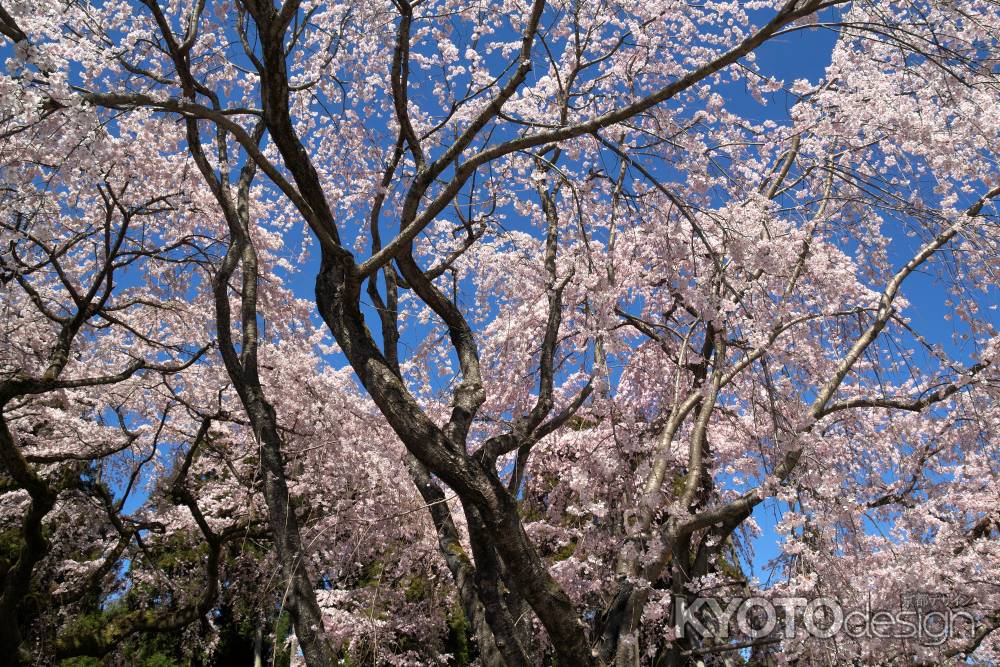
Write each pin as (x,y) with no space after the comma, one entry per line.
(433,332)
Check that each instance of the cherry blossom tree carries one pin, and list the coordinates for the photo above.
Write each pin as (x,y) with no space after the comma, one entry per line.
(592,290)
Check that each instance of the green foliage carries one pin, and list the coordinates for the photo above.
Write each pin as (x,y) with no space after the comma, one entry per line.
(82,661)
(282,630)
(565,551)
(457,643)
(158,650)
(236,637)
(418,587)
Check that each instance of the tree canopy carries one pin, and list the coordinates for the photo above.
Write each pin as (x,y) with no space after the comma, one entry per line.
(462,332)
